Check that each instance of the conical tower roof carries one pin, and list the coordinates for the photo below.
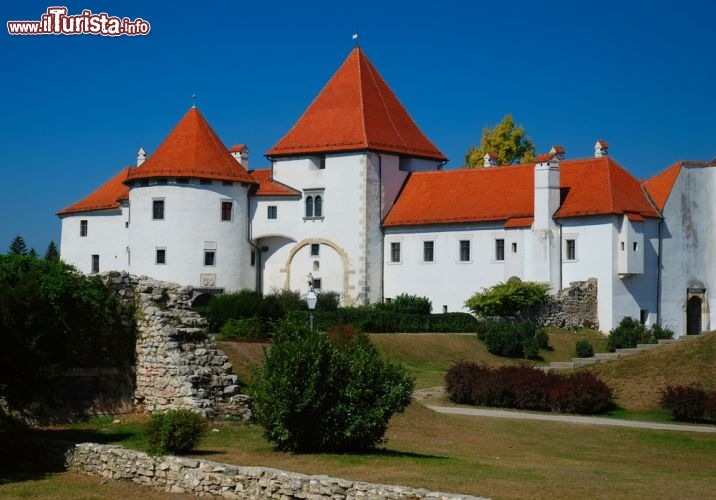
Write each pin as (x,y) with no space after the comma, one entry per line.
(356,110)
(192,149)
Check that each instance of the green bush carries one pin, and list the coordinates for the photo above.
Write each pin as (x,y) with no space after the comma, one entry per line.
(513,340)
(222,308)
(513,298)
(326,393)
(408,304)
(328,300)
(631,332)
(584,349)
(176,431)
(243,329)
(377,320)
(53,318)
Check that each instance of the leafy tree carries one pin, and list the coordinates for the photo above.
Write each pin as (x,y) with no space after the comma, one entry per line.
(52,318)
(320,392)
(52,253)
(18,246)
(512,298)
(506,140)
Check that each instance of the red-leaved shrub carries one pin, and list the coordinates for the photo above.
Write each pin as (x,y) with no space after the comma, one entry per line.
(684,402)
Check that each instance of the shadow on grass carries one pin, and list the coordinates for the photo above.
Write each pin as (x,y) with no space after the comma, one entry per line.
(31,454)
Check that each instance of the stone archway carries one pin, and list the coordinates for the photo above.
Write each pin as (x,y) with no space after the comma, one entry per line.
(343,255)
(696,311)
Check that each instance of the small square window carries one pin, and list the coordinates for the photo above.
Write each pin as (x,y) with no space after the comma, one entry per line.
(95,263)
(395,252)
(499,249)
(209,257)
(571,249)
(272,212)
(464,250)
(161,256)
(428,251)
(315,249)
(227,208)
(316,283)
(158,209)
(83,228)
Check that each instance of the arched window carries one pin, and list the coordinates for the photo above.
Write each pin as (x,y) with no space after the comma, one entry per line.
(309,206)
(314,204)
(318,206)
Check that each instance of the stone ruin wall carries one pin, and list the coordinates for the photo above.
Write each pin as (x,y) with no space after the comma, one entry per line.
(177,362)
(573,307)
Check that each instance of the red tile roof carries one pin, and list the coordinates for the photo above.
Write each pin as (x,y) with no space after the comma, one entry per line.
(519,222)
(108,196)
(269,187)
(659,187)
(595,186)
(356,110)
(192,149)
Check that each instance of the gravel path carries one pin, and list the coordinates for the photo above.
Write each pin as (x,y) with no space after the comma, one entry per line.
(575,419)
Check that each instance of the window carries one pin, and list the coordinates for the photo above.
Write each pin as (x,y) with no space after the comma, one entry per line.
(227,207)
(83,228)
(253,257)
(514,248)
(227,183)
(316,283)
(314,205)
(571,249)
(464,250)
(95,263)
(161,256)
(636,246)
(643,316)
(272,212)
(158,209)
(183,180)
(209,257)
(205,182)
(315,249)
(621,246)
(428,251)
(395,252)
(499,249)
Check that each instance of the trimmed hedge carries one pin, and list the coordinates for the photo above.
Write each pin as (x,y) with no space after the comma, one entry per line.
(527,388)
(376,320)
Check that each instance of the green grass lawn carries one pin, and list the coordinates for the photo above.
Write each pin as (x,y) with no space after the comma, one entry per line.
(475,455)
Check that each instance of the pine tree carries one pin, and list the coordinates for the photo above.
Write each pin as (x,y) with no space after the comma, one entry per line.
(505,140)
(52,253)
(18,246)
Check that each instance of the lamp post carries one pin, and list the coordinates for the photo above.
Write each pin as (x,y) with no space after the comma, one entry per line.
(311,299)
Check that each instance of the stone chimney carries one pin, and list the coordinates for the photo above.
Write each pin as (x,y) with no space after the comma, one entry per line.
(141,156)
(601,149)
(558,151)
(490,160)
(241,154)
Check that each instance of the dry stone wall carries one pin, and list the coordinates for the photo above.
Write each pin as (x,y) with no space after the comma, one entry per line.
(177,362)
(573,307)
(202,477)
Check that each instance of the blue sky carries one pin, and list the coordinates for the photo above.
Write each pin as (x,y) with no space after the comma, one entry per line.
(76,108)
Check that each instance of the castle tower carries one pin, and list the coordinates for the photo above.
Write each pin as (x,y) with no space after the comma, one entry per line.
(347,157)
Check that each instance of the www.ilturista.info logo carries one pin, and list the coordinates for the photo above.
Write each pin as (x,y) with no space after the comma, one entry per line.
(56,22)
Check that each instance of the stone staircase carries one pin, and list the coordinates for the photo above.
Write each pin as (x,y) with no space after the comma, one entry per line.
(603,357)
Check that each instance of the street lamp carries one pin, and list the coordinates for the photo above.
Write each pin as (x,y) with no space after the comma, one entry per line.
(311,300)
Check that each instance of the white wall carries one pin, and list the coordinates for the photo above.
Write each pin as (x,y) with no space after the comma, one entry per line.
(107,237)
(688,246)
(192,217)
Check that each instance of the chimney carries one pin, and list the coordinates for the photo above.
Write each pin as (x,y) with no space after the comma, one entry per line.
(241,154)
(490,160)
(141,156)
(601,149)
(546,190)
(558,151)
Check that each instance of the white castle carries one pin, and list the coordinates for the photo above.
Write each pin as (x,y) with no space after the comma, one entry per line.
(356,199)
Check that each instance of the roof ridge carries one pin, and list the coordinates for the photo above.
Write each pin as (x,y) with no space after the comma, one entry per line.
(382,100)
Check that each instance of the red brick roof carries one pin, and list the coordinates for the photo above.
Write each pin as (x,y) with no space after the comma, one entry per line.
(594,186)
(192,149)
(108,196)
(269,187)
(356,110)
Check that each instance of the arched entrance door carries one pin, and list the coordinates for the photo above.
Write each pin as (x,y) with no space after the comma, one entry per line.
(693,316)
